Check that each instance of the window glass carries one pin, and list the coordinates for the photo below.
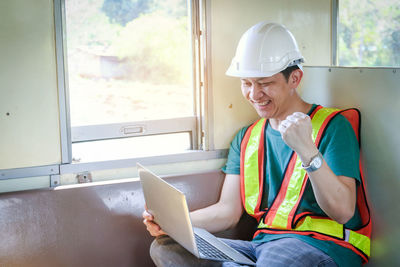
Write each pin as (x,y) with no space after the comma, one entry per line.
(369,33)
(128,60)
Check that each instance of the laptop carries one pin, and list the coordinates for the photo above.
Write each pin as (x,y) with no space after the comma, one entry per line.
(169,208)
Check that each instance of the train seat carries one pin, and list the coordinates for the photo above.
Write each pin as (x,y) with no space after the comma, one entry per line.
(97,224)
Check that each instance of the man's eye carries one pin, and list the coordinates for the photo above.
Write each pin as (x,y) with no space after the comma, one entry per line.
(246,84)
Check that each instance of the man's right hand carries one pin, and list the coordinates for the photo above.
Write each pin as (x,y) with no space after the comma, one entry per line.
(153,228)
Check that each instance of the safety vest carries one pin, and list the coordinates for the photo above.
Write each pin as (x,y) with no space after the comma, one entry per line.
(283,216)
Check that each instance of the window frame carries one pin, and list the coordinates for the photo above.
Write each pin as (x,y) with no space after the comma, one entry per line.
(76,134)
(62,82)
(334,32)
(132,129)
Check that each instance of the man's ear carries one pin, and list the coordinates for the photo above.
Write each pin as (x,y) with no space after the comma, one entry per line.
(295,78)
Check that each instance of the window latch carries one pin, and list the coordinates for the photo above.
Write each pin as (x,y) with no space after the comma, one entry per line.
(137,129)
(84,177)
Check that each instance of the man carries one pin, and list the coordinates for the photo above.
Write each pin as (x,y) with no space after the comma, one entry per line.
(296,170)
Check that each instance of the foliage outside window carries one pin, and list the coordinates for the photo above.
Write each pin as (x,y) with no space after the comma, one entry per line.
(369,33)
(128,60)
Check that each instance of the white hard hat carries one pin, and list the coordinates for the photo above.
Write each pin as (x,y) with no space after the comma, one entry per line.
(264,50)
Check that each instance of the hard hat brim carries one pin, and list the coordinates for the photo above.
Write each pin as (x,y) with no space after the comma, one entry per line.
(249,74)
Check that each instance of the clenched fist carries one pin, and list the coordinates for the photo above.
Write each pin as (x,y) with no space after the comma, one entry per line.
(296,131)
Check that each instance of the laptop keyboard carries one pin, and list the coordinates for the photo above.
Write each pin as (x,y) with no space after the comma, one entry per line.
(209,250)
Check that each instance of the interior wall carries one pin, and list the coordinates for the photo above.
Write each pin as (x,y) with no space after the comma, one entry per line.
(29,116)
(308,20)
(375,92)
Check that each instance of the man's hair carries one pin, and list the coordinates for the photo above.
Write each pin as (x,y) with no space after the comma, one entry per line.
(286,72)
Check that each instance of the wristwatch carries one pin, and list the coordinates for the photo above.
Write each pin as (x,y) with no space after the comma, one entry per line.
(315,163)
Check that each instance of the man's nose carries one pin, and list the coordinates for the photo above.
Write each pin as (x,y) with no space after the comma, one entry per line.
(255,92)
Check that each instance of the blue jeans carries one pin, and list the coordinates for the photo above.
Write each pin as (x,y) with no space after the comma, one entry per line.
(277,253)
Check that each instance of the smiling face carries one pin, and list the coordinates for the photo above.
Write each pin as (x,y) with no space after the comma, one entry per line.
(272,97)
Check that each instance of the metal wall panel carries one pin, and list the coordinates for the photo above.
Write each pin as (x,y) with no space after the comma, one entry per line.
(29,116)
(26,183)
(376,93)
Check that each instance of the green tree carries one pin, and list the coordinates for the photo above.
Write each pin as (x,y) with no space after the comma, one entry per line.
(369,33)
(124,11)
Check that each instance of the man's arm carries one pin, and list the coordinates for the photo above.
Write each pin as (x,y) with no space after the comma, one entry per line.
(217,217)
(226,212)
(336,195)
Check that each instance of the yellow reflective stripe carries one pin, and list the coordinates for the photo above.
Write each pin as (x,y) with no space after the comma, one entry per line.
(251,175)
(296,181)
(262,225)
(361,242)
(325,226)
(319,118)
(332,228)
(292,195)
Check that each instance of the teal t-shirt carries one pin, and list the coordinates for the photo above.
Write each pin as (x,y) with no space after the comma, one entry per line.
(340,150)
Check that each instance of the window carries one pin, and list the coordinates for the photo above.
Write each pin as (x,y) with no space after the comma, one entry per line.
(130,74)
(369,33)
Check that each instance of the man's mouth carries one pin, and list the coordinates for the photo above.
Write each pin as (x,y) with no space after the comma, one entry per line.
(262,103)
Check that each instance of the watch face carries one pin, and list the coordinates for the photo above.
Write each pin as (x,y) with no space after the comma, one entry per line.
(317,162)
